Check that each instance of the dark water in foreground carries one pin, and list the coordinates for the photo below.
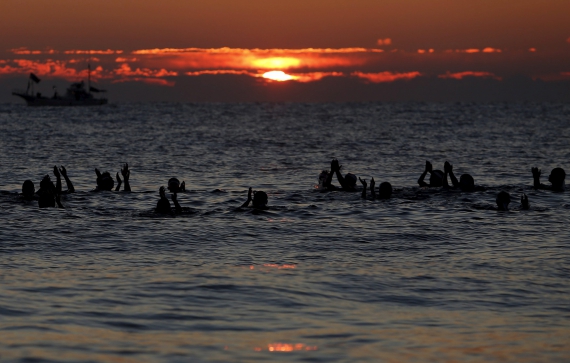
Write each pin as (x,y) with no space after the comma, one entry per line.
(320,277)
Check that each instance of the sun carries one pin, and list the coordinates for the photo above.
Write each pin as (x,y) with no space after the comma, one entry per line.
(278,76)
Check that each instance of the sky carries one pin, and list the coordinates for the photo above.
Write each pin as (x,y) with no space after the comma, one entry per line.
(290,51)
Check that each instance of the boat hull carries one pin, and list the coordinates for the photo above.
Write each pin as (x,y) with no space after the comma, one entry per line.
(60,102)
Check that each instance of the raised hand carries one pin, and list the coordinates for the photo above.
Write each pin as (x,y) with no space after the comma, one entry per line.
(447,167)
(363,181)
(56,172)
(334,165)
(524,201)
(372,184)
(125,172)
(63,171)
(183,186)
(536,172)
(429,167)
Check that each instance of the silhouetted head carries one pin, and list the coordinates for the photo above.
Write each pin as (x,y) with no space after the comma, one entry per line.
(385,190)
(556,177)
(174,185)
(163,205)
(466,183)
(105,181)
(46,184)
(323,176)
(436,178)
(46,193)
(503,200)
(260,199)
(350,180)
(28,188)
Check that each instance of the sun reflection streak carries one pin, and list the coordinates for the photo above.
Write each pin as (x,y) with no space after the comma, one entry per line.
(285,347)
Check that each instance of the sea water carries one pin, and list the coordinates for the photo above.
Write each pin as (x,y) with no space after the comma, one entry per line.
(429,275)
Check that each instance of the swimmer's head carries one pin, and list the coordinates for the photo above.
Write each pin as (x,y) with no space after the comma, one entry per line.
(46,184)
(385,190)
(105,182)
(350,180)
(466,183)
(323,176)
(436,178)
(503,200)
(259,199)
(28,188)
(174,185)
(556,177)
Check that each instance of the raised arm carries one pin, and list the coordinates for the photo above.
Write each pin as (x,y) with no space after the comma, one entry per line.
(126,173)
(58,201)
(524,202)
(119,182)
(246,204)
(364,186)
(448,168)
(372,191)
(427,169)
(70,188)
(536,176)
(58,182)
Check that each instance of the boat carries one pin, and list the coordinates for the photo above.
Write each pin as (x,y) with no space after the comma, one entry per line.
(76,95)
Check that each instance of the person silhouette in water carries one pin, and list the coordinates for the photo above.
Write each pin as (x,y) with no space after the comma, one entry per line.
(556,178)
(466,182)
(347,183)
(384,190)
(435,179)
(504,198)
(258,201)
(163,205)
(174,185)
(48,195)
(104,181)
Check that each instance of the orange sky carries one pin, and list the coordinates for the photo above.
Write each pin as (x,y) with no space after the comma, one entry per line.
(165,42)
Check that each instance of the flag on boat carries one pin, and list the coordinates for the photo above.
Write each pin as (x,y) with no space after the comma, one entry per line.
(34,78)
(93,89)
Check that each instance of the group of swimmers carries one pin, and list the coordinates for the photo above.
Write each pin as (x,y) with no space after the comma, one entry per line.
(438,179)
(48,195)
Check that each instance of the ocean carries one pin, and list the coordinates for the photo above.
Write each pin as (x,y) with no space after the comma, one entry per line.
(429,275)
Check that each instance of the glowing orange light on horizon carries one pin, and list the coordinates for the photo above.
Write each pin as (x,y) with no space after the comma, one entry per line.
(279,76)
(277,62)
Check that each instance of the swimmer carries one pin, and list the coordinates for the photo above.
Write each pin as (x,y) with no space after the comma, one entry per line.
(104,181)
(503,200)
(435,179)
(384,190)
(259,200)
(466,182)
(126,173)
(58,174)
(556,178)
(348,182)
(163,205)
(174,185)
(48,195)
(28,190)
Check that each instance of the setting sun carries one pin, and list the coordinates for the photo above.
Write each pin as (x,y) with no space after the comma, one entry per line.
(278,76)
